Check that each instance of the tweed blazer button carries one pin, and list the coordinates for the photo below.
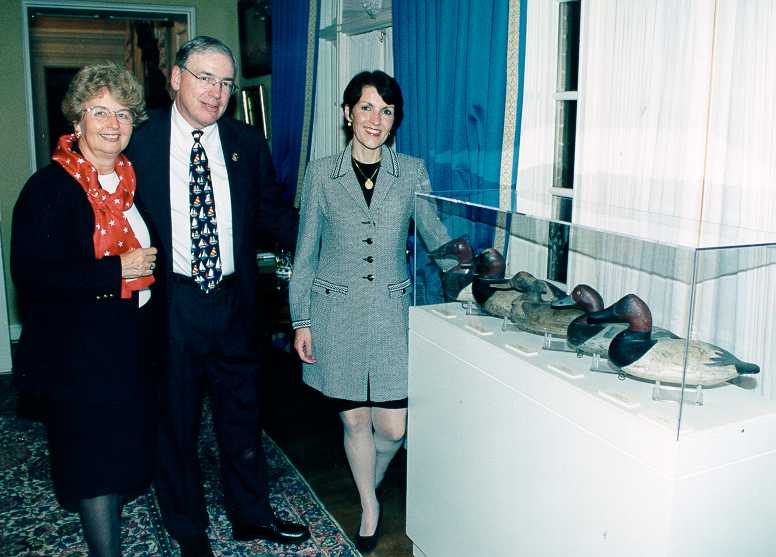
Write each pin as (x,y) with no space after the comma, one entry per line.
(369,259)
(369,241)
(370,277)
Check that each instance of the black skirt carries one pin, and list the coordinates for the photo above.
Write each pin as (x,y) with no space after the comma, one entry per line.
(97,449)
(343,404)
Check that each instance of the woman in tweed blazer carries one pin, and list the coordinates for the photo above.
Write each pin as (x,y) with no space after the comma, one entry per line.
(350,292)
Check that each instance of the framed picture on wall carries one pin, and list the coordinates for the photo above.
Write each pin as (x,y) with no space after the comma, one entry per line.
(254,107)
(255,18)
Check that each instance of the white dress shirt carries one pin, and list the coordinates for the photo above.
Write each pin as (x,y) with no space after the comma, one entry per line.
(109,183)
(181,142)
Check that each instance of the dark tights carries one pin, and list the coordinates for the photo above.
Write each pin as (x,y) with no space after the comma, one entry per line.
(101,521)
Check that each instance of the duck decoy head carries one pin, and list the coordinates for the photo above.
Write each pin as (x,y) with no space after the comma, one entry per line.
(459,249)
(533,292)
(490,264)
(583,296)
(524,281)
(629,309)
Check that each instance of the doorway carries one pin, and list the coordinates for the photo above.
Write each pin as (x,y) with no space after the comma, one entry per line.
(61,40)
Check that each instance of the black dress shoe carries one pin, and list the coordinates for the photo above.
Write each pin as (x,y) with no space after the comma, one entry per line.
(278,531)
(195,547)
(366,544)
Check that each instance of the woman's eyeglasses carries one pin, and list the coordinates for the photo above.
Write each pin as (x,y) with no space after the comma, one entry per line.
(102,114)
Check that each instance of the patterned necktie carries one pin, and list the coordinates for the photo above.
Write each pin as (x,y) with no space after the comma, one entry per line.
(205,255)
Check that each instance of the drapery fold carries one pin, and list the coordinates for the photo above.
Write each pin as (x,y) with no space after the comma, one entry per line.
(294,55)
(451,59)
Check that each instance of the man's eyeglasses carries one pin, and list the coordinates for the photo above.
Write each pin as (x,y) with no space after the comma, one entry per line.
(102,114)
(209,81)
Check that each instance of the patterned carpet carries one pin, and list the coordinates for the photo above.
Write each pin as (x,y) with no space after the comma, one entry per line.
(33,525)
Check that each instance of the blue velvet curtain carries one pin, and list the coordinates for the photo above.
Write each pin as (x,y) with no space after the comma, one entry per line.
(450,59)
(294,55)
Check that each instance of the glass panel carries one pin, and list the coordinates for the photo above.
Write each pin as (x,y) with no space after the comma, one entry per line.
(558,253)
(565,143)
(568,46)
(689,301)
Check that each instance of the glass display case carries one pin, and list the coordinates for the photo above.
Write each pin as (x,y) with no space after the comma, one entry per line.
(597,388)
(654,310)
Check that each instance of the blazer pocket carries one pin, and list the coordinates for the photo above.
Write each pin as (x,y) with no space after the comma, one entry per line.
(400,289)
(330,289)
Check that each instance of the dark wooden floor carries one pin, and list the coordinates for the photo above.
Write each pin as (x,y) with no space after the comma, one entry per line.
(311,435)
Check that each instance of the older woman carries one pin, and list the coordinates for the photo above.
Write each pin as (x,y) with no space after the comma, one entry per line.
(82,262)
(350,293)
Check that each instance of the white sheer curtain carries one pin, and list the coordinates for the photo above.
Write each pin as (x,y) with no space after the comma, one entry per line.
(676,120)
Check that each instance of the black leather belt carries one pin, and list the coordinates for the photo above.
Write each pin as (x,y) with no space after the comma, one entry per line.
(227,282)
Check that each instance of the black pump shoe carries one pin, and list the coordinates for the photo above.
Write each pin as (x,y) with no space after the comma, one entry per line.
(366,544)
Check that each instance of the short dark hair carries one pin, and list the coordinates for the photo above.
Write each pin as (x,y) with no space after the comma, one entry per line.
(387,87)
(202,44)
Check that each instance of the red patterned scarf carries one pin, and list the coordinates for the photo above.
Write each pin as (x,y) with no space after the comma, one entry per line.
(112,233)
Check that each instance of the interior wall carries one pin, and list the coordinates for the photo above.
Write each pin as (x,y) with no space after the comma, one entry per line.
(218,19)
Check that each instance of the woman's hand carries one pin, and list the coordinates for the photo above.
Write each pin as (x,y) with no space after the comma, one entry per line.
(137,263)
(303,344)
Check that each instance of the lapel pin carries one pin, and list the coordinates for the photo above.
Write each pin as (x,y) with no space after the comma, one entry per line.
(235,157)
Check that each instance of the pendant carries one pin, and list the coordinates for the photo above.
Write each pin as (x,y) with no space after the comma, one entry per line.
(369,184)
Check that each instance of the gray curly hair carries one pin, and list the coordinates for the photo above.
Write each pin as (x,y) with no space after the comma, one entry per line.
(91,80)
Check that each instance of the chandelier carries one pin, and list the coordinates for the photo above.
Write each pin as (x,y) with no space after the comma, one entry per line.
(372,7)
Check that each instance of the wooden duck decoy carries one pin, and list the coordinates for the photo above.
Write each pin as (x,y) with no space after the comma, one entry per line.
(499,303)
(460,275)
(489,268)
(534,314)
(523,287)
(594,338)
(637,353)
(459,249)
(524,281)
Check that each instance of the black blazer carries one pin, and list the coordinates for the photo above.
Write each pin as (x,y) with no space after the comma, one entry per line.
(259,216)
(80,341)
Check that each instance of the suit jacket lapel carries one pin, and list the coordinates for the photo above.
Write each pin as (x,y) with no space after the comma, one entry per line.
(234,160)
(343,172)
(153,194)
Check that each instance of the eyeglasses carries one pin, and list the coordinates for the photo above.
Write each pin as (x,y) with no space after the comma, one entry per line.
(102,114)
(208,81)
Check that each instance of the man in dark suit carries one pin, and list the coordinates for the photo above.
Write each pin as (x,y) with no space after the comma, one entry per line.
(206,184)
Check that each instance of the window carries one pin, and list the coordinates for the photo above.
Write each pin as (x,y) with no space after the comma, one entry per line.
(565,136)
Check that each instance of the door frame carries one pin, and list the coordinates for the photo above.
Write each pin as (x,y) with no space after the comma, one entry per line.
(188,12)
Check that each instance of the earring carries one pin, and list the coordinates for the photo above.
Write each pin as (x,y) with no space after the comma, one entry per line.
(77,134)
(350,123)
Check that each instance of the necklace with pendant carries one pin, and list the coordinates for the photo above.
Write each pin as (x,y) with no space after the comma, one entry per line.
(368,184)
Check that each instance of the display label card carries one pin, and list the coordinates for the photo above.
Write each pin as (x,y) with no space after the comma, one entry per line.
(520,349)
(444,314)
(565,371)
(620,399)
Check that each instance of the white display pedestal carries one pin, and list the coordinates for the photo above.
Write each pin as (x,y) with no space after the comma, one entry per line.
(516,451)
